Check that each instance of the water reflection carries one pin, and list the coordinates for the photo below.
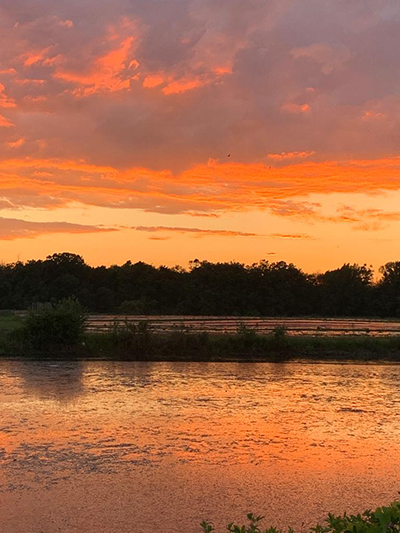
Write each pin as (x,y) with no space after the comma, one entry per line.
(61,381)
(251,433)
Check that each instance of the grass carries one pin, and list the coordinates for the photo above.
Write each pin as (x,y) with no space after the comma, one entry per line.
(30,337)
(9,321)
(242,346)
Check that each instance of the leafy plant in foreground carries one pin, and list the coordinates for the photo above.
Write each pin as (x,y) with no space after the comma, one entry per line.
(382,520)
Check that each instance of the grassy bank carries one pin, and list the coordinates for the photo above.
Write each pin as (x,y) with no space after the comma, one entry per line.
(139,343)
(60,331)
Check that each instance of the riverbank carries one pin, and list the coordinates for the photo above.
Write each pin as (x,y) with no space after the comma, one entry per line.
(243,346)
(141,344)
(61,331)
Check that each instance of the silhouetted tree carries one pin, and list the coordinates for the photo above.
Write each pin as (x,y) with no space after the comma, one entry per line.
(206,288)
(346,291)
(388,290)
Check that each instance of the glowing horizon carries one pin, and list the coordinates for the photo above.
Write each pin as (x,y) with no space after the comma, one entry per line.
(197,128)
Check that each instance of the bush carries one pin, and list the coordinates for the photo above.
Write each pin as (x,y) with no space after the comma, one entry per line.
(279,338)
(382,520)
(53,327)
(144,306)
(134,340)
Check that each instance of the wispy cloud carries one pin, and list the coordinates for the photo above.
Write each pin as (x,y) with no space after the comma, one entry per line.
(197,232)
(291,155)
(12,228)
(206,190)
(360,219)
(290,236)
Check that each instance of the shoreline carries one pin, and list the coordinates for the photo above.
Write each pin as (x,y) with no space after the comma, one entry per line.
(97,359)
(247,346)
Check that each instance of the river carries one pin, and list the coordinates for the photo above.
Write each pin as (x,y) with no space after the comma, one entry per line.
(117,447)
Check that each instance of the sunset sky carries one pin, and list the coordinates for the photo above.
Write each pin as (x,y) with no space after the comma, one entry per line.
(168,130)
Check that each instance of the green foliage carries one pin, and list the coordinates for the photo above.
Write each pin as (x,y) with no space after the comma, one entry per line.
(52,327)
(9,321)
(60,329)
(138,343)
(245,331)
(137,307)
(382,520)
(252,527)
(279,332)
(279,339)
(206,288)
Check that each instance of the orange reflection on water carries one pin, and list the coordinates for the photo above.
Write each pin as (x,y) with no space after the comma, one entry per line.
(272,428)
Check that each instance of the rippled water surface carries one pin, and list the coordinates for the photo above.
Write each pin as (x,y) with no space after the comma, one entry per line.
(122,447)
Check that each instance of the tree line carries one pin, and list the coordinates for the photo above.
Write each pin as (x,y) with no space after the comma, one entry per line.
(205,288)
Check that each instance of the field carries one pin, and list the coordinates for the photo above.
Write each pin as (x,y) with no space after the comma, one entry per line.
(262,326)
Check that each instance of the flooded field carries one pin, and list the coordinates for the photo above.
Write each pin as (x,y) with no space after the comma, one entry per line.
(294,326)
(108,447)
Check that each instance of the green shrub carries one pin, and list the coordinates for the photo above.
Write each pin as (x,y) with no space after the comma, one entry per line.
(279,339)
(53,327)
(134,340)
(382,520)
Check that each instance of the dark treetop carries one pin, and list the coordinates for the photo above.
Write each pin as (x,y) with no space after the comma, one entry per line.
(265,289)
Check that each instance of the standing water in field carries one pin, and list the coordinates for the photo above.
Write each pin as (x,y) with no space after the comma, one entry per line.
(118,447)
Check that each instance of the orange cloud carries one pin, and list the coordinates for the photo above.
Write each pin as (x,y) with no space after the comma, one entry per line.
(16,144)
(173,85)
(365,219)
(360,219)
(153,80)
(110,72)
(196,231)
(10,70)
(290,155)
(371,115)
(222,70)
(66,23)
(37,56)
(5,101)
(294,209)
(29,81)
(296,108)
(11,228)
(182,86)
(5,122)
(290,236)
(209,189)
(121,106)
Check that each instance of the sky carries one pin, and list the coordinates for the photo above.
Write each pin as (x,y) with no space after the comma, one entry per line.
(223,130)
